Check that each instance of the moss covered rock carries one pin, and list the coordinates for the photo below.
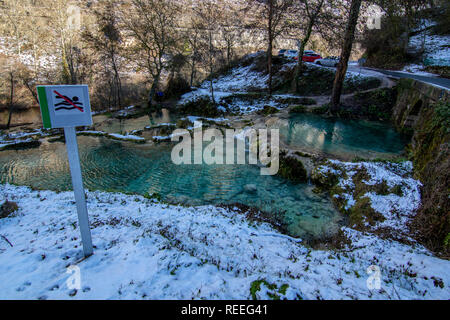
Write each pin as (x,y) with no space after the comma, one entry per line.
(351,188)
(184,123)
(325,177)
(292,169)
(22,145)
(202,106)
(298,109)
(268,110)
(373,105)
(431,157)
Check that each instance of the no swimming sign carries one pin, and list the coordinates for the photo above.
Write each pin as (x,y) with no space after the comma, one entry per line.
(65,106)
(69,107)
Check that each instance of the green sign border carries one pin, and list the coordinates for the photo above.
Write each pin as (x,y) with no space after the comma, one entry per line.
(42,94)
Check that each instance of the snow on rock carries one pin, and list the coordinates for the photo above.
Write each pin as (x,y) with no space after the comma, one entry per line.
(195,118)
(19,135)
(116,136)
(150,250)
(126,137)
(396,209)
(24,137)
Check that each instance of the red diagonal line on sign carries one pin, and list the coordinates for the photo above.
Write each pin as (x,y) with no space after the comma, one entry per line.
(67,100)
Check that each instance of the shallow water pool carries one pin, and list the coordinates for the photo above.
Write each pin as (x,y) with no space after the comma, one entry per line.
(346,138)
(109,165)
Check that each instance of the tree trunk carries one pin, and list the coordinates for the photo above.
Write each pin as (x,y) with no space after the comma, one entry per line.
(11,101)
(32,91)
(345,55)
(152,94)
(270,48)
(211,67)
(300,65)
(211,84)
(117,81)
(192,73)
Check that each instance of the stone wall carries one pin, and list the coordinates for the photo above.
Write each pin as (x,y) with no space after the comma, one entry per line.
(424,110)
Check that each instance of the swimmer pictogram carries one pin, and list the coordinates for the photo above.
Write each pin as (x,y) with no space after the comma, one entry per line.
(68,103)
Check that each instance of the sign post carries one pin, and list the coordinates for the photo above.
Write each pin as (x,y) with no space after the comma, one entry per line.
(68,107)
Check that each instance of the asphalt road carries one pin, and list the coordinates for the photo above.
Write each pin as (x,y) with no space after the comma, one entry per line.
(442,82)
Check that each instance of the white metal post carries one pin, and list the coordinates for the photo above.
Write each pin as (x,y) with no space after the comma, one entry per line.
(78,188)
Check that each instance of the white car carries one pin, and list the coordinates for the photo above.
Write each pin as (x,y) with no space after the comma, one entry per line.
(291,54)
(331,61)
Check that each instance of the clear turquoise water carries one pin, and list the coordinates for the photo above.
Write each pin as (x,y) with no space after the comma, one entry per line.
(346,138)
(129,167)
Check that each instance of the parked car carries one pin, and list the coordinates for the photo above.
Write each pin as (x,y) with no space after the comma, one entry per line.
(311,57)
(291,54)
(282,52)
(331,61)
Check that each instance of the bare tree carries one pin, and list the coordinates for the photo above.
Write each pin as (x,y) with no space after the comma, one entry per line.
(152,25)
(273,14)
(26,36)
(208,17)
(345,55)
(12,84)
(8,86)
(193,36)
(230,28)
(67,40)
(408,9)
(311,11)
(12,23)
(107,42)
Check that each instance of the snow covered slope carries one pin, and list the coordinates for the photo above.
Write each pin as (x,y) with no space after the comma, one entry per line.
(149,250)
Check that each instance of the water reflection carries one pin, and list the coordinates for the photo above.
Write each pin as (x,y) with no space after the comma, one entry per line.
(111,125)
(29,116)
(346,138)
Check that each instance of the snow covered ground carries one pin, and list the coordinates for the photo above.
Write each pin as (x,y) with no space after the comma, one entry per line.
(354,72)
(417,70)
(244,79)
(150,250)
(436,47)
(241,80)
(396,209)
